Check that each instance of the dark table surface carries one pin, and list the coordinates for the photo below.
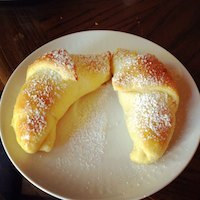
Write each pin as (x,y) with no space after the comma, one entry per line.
(26,25)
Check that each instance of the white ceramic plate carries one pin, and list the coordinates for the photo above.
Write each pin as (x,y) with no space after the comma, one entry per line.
(90,159)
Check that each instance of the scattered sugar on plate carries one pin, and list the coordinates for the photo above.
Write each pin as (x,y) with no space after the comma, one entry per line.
(87,132)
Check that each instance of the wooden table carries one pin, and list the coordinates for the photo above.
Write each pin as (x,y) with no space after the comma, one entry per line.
(174,25)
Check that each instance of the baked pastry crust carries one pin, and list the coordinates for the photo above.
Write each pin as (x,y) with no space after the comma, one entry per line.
(53,83)
(149,98)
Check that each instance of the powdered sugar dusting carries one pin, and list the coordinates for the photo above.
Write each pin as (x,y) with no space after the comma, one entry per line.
(94,63)
(89,140)
(88,124)
(126,57)
(141,71)
(41,92)
(60,57)
(152,116)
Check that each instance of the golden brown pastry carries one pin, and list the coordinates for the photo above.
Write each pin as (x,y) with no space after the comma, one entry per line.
(149,99)
(53,83)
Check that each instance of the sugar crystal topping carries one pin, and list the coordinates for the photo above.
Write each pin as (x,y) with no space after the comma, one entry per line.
(151,115)
(140,70)
(42,90)
(61,57)
(99,63)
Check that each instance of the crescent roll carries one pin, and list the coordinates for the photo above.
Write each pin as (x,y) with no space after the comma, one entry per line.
(53,83)
(149,98)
